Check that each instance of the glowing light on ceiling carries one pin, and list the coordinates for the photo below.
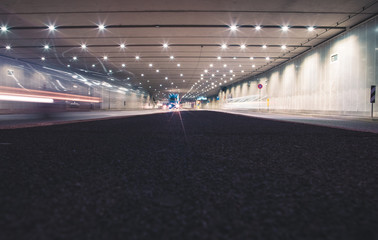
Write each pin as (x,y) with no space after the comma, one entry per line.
(258,27)
(122,46)
(267,58)
(233,27)
(285,28)
(310,29)
(52,27)
(74,58)
(242,46)
(224,46)
(4,28)
(8,47)
(283,46)
(165,45)
(83,46)
(43,58)
(101,27)
(219,58)
(264,46)
(171,57)
(137,57)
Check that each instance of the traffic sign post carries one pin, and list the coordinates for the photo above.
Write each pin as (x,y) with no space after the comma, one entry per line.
(372,99)
(260,86)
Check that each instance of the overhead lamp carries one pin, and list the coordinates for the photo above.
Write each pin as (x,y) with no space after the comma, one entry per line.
(171,57)
(74,58)
(101,27)
(68,65)
(264,46)
(231,71)
(219,58)
(43,58)
(46,47)
(310,29)
(233,27)
(123,65)
(283,46)
(83,46)
(142,75)
(150,65)
(251,58)
(242,46)
(267,58)
(224,46)
(157,70)
(224,65)
(211,65)
(166,78)
(137,57)
(178,65)
(205,70)
(258,27)
(105,57)
(165,45)
(52,27)
(4,28)
(181,74)
(93,65)
(285,28)
(253,65)
(122,46)
(234,58)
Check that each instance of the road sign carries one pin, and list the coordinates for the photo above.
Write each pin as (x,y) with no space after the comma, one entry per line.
(260,86)
(372,94)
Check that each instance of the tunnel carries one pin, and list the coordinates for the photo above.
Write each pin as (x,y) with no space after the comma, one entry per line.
(217,119)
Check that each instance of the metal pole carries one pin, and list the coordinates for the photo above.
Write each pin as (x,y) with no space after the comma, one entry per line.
(372,111)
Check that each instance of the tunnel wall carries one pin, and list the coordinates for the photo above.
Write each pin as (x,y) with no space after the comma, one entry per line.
(22,76)
(314,83)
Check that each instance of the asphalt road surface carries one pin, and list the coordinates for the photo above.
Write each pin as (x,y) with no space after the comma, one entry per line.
(188,175)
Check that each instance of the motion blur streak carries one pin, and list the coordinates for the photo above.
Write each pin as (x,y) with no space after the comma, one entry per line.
(25,99)
(29,95)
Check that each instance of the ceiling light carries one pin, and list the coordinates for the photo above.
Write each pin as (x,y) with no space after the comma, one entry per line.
(157,70)
(137,57)
(224,46)
(283,46)
(123,65)
(234,58)
(178,65)
(253,65)
(105,57)
(122,46)
(101,27)
(181,74)
(43,58)
(4,28)
(205,71)
(251,58)
(46,46)
(165,45)
(258,27)
(142,75)
(166,78)
(267,58)
(285,28)
(51,27)
(219,58)
(211,65)
(93,65)
(83,46)
(242,46)
(74,58)
(233,27)
(310,29)
(150,65)
(231,71)
(68,65)
(224,65)
(264,46)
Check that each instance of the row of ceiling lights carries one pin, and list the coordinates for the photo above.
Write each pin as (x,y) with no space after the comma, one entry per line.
(102,27)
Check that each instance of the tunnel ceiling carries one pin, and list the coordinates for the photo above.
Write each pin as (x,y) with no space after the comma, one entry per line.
(178,43)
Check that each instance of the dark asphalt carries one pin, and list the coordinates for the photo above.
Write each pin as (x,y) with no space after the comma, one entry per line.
(231,177)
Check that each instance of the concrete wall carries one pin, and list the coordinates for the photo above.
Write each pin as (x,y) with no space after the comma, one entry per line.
(314,83)
(22,75)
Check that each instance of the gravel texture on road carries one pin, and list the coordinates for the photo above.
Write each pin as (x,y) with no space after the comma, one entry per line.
(189,175)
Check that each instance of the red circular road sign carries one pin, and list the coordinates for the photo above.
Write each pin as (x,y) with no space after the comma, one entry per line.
(260,86)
